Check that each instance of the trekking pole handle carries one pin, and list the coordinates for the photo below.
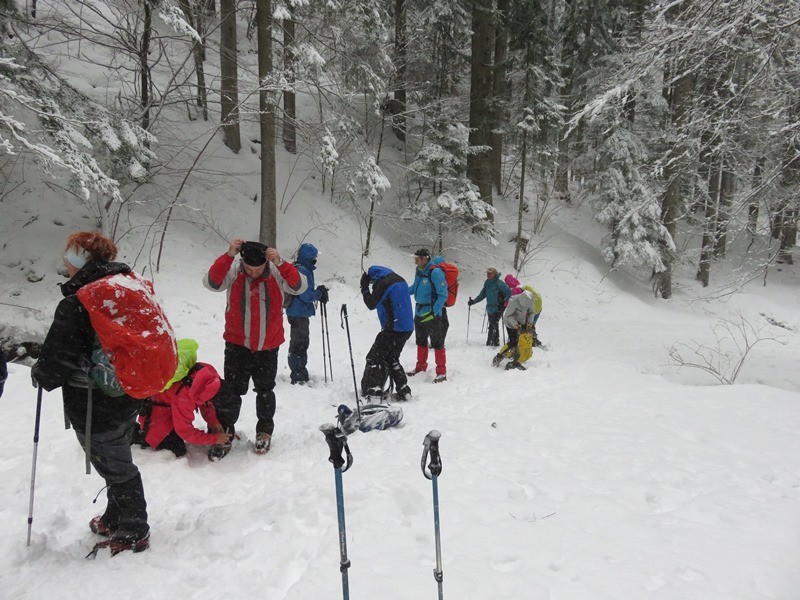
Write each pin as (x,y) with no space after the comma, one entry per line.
(431,448)
(342,315)
(337,442)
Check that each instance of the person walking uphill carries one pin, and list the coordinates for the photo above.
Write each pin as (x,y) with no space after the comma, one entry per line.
(430,316)
(299,310)
(390,297)
(65,355)
(496,293)
(255,287)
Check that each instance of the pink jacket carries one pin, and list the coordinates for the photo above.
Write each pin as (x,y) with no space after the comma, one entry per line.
(513,283)
(174,409)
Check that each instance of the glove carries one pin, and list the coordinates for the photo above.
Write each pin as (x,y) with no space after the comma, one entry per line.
(470,302)
(34,375)
(323,294)
(365,279)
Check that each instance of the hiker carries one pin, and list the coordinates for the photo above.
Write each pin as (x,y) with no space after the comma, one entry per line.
(169,424)
(390,297)
(496,293)
(517,288)
(255,287)
(517,318)
(299,310)
(66,351)
(430,316)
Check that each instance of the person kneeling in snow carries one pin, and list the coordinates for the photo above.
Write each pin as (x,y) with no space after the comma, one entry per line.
(169,424)
(518,319)
(390,297)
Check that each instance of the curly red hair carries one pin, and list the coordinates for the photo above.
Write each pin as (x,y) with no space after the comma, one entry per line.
(98,246)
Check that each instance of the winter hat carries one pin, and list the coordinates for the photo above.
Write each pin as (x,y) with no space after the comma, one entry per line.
(422,253)
(511,281)
(254,254)
(205,384)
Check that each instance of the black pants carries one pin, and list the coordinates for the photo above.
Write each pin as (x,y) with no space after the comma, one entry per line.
(240,365)
(298,348)
(126,511)
(383,361)
(493,337)
(434,330)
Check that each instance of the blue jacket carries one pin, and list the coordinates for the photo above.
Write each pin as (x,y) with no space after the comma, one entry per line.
(492,290)
(303,305)
(389,296)
(430,289)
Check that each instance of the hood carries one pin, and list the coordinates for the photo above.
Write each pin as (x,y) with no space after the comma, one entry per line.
(92,271)
(511,281)
(187,357)
(376,272)
(205,384)
(437,260)
(306,254)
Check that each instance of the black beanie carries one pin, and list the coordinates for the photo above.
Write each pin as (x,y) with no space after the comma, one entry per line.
(254,254)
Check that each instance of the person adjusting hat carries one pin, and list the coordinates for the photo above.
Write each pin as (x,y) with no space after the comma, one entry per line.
(255,287)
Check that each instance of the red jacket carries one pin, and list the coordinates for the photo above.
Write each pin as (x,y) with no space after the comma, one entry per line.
(254,314)
(174,409)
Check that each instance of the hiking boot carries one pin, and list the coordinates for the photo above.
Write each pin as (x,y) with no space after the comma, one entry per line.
(414,372)
(219,451)
(515,365)
(440,379)
(263,442)
(98,526)
(403,395)
(498,358)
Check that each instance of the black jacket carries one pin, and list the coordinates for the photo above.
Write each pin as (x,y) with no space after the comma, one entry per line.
(66,355)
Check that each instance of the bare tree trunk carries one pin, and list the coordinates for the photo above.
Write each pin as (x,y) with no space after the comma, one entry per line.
(679,104)
(144,64)
(269,212)
(479,163)
(710,225)
(400,60)
(289,105)
(569,54)
(752,210)
(229,76)
(726,189)
(520,210)
(499,91)
(194,14)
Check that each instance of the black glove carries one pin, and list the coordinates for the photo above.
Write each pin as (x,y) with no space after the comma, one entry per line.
(34,375)
(365,279)
(323,294)
(470,302)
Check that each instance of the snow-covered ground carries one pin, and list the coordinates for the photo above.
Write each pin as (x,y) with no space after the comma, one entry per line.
(600,472)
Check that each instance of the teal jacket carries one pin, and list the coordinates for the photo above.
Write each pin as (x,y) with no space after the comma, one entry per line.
(429,289)
(492,290)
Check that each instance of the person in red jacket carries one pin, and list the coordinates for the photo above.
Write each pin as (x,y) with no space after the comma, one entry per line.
(169,426)
(255,287)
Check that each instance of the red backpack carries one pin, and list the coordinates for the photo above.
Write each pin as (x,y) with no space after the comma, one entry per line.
(133,332)
(451,276)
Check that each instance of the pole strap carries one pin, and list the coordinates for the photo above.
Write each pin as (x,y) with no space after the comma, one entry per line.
(337,443)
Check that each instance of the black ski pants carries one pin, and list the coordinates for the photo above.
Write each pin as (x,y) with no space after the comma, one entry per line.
(383,360)
(298,348)
(493,337)
(434,330)
(242,364)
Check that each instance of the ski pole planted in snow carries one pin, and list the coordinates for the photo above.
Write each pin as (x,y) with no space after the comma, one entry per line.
(322,325)
(346,323)
(328,337)
(35,452)
(337,442)
(469,312)
(431,448)
(87,437)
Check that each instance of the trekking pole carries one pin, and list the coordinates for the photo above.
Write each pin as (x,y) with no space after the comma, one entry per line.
(322,325)
(483,323)
(328,336)
(431,447)
(337,442)
(87,441)
(35,453)
(469,312)
(346,322)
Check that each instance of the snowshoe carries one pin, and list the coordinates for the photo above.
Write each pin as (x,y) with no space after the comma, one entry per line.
(120,543)
(440,379)
(373,416)
(414,372)
(498,358)
(515,364)
(403,395)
